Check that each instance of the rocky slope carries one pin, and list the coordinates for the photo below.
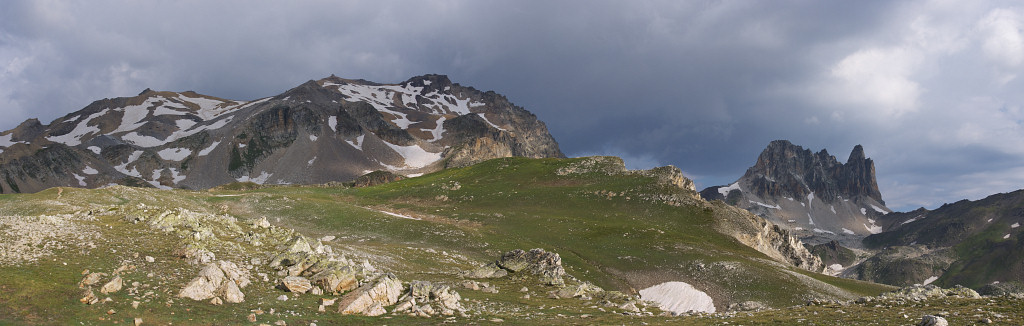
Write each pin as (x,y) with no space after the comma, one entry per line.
(812,195)
(969,243)
(332,129)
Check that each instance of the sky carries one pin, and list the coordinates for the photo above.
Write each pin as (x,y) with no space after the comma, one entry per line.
(931,89)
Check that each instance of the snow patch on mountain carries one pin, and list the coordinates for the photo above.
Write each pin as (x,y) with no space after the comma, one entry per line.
(81,179)
(439,130)
(332,121)
(725,190)
(74,138)
(414,155)
(123,167)
(879,209)
(95,149)
(174,154)
(489,122)
(873,228)
(209,149)
(358,144)
(261,179)
(89,170)
(764,205)
(312,137)
(824,231)
(142,141)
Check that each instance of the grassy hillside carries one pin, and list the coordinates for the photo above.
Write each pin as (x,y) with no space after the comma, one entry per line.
(620,231)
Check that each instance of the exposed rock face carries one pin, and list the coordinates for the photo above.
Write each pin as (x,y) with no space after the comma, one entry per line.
(334,129)
(766,237)
(811,194)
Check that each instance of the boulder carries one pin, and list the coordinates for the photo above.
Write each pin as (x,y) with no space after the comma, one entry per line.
(295,284)
(546,265)
(91,279)
(336,280)
(383,291)
(204,286)
(112,286)
(231,292)
(239,275)
(443,295)
(88,297)
(929,320)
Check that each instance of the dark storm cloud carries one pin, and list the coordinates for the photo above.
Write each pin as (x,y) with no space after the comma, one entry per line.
(928,87)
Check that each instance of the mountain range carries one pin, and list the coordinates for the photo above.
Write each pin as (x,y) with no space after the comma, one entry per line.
(332,129)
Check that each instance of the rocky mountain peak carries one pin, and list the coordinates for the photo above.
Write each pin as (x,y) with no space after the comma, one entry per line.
(788,170)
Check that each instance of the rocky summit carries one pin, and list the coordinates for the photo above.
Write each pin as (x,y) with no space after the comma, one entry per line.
(811,194)
(332,129)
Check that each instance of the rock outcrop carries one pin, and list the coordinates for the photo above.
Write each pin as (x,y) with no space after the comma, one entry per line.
(370,299)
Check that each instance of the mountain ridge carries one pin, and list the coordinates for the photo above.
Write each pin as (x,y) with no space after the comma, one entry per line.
(337,128)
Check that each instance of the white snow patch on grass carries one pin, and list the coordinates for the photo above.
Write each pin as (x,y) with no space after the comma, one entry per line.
(174,154)
(415,157)
(930,280)
(398,215)
(678,297)
(848,231)
(1015,225)
(208,150)
(89,170)
(725,190)
(765,205)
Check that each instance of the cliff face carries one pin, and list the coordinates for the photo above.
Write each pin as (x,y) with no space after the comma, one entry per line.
(332,129)
(812,195)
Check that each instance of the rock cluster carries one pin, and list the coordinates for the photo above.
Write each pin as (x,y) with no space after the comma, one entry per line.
(218,281)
